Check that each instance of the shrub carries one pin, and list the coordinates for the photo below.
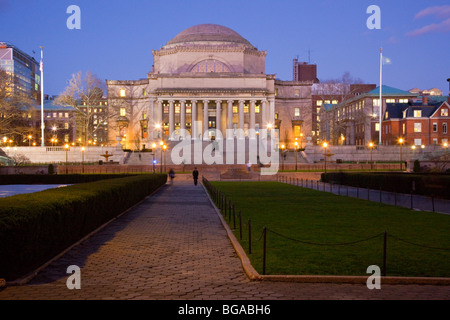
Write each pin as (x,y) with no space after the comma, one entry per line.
(51,169)
(425,184)
(36,227)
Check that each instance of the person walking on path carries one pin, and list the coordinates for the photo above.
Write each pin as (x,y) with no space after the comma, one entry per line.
(195,175)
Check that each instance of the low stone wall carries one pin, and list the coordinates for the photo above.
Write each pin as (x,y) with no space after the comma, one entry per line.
(23,169)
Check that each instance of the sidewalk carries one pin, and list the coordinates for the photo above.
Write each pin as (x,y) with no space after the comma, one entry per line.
(173,246)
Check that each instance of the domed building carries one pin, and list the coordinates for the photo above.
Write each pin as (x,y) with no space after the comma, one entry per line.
(204,81)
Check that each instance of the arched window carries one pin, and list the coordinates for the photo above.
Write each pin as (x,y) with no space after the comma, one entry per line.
(210,65)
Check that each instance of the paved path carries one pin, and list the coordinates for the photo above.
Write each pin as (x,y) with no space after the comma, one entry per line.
(172,246)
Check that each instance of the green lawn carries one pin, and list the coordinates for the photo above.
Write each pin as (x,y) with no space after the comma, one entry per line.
(300,214)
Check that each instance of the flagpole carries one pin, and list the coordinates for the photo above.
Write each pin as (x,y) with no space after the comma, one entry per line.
(381,95)
(42,98)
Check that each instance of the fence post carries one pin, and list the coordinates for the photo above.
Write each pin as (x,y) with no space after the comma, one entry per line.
(384,253)
(240,224)
(234,218)
(264,250)
(249,236)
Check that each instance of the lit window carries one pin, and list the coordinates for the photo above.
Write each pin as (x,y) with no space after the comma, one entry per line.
(319,102)
(403,100)
(297,112)
(390,100)
(66,114)
(122,93)
(376,102)
(177,108)
(417,113)
(404,128)
(123,112)
(377,127)
(444,112)
(246,108)
(417,142)
(188,109)
(334,102)
(297,131)
(66,125)
(235,109)
(257,108)
(417,127)
(327,102)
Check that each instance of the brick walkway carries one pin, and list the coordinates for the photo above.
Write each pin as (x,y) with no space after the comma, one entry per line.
(173,246)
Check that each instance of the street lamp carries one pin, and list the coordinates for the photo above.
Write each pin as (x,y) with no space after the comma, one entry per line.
(161,143)
(153,156)
(282,156)
(66,147)
(82,159)
(371,148)
(165,148)
(400,141)
(445,145)
(29,140)
(325,146)
(296,145)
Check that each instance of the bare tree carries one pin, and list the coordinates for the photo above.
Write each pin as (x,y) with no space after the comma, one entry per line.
(84,93)
(12,108)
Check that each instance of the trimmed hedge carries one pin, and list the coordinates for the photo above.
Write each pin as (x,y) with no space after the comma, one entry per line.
(56,179)
(36,227)
(436,185)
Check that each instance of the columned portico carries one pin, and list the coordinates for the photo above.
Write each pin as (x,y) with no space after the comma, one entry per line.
(229,113)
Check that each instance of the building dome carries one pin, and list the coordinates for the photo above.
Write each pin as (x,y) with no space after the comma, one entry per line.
(207,34)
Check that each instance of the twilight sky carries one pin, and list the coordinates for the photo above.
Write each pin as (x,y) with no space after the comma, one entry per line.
(117,36)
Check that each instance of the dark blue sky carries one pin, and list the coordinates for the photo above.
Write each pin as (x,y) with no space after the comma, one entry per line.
(117,36)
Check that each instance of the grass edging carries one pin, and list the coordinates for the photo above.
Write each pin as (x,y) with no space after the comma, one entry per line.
(255,276)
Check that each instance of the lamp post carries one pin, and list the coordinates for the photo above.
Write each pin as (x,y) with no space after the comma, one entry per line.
(371,148)
(296,149)
(401,156)
(445,145)
(29,140)
(325,145)
(82,159)
(282,156)
(153,156)
(66,147)
(165,148)
(161,163)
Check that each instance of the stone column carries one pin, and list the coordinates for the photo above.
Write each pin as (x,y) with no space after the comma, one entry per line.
(230,116)
(194,119)
(263,114)
(159,119)
(271,119)
(183,118)
(252,119)
(205,119)
(241,119)
(171,119)
(218,116)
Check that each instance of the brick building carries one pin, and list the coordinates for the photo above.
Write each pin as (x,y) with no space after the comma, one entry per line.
(424,123)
